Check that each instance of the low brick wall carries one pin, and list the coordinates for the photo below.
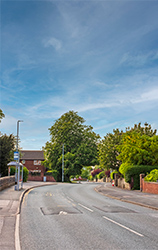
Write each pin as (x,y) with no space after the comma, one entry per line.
(7,181)
(149,187)
(40,178)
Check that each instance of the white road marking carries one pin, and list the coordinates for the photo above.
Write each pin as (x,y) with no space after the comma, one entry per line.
(70,198)
(85,207)
(127,228)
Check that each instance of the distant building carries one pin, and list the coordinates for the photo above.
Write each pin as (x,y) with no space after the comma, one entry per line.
(32,160)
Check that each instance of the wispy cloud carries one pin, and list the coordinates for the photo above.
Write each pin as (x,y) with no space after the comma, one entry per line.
(139,59)
(55,43)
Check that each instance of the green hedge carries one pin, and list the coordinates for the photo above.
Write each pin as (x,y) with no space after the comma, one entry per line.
(53,173)
(112,174)
(135,171)
(101,175)
(25,173)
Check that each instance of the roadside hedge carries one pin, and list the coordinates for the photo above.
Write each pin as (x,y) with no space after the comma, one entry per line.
(135,171)
(53,173)
(25,172)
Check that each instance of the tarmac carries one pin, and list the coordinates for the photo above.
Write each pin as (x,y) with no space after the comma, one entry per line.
(11,200)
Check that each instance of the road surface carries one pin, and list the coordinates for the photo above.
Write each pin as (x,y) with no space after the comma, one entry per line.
(74,216)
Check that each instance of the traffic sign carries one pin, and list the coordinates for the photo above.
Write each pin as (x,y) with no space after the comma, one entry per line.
(16,155)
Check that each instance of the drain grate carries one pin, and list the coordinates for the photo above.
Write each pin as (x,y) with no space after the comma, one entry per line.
(115,209)
(60,210)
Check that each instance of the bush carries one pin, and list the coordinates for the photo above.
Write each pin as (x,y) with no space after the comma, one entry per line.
(12,170)
(25,173)
(135,171)
(123,168)
(112,174)
(53,173)
(107,173)
(152,176)
(95,172)
(101,175)
(91,178)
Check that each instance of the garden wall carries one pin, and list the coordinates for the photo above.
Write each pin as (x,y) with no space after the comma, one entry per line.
(122,184)
(7,181)
(148,187)
(40,178)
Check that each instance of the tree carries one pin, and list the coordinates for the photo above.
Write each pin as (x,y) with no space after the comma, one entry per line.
(80,145)
(1,115)
(143,130)
(108,150)
(138,149)
(7,146)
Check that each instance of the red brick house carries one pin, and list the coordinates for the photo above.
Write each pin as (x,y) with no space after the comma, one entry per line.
(32,160)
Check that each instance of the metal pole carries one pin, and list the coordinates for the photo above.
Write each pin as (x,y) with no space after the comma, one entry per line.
(18,154)
(63,163)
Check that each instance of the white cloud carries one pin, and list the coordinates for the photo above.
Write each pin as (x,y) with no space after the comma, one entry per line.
(55,43)
(139,59)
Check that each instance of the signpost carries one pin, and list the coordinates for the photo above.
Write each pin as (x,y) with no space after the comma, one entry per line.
(16,156)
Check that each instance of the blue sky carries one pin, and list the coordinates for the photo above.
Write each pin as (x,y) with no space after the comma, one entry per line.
(99,58)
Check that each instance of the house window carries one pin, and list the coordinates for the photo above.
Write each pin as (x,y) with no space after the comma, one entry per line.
(37,162)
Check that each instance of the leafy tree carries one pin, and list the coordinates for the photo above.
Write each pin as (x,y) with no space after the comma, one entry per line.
(7,146)
(80,145)
(1,115)
(138,149)
(108,150)
(143,130)
(86,172)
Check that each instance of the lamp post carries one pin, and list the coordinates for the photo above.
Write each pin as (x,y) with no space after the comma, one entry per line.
(17,150)
(63,163)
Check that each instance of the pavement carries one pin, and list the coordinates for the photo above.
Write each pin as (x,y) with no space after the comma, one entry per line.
(10,206)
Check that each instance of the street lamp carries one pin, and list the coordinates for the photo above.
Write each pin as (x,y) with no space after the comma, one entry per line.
(18,157)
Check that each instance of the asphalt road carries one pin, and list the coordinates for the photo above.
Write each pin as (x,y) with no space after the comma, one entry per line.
(74,216)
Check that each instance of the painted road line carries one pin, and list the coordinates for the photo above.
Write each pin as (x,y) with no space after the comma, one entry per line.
(70,198)
(127,228)
(85,207)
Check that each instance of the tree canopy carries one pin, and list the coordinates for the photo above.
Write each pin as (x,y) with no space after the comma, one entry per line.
(138,149)
(7,144)
(108,150)
(80,145)
(1,115)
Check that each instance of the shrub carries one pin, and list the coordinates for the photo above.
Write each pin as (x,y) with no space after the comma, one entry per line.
(101,175)
(12,170)
(112,174)
(107,173)
(91,178)
(95,172)
(152,176)
(53,173)
(25,174)
(123,168)
(135,171)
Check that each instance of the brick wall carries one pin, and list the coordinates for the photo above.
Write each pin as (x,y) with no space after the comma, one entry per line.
(148,187)
(40,178)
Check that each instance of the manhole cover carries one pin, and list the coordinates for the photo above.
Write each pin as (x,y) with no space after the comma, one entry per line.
(60,210)
(115,209)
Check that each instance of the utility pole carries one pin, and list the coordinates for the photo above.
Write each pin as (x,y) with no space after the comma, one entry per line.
(63,163)
(18,179)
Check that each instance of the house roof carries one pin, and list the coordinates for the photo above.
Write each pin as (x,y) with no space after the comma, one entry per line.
(32,155)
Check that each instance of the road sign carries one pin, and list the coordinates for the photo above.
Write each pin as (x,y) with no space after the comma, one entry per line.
(16,155)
